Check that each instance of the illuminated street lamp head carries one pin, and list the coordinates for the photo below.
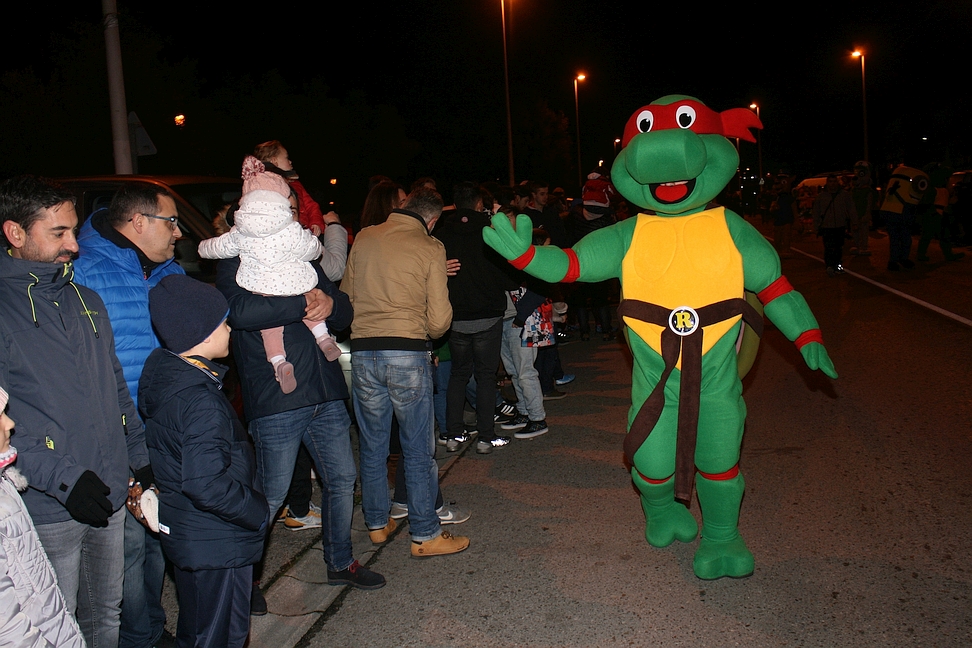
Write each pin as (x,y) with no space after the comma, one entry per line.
(581,76)
(753,105)
(180,120)
(857,53)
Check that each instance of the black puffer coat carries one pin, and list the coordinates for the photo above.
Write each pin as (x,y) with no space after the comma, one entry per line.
(212,514)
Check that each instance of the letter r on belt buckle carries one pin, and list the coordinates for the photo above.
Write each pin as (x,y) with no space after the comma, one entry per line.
(683,320)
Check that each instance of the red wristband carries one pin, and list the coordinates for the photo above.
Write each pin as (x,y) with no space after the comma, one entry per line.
(524,259)
(779,287)
(573,267)
(813,335)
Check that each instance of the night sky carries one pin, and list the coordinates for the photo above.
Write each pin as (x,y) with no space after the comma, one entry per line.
(408,89)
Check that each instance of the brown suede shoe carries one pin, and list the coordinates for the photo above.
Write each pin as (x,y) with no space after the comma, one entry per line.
(441,545)
(380,536)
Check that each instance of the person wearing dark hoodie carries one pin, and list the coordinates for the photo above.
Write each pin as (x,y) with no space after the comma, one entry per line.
(212,515)
(478,296)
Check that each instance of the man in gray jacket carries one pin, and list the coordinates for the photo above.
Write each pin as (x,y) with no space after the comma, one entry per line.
(78,432)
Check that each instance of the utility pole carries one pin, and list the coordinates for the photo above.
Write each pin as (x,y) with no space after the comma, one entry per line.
(120,138)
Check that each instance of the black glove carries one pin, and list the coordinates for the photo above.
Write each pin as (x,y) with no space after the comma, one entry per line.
(88,502)
(145,476)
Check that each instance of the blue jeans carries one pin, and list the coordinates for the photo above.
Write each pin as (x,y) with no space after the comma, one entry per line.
(441,375)
(324,429)
(142,615)
(89,563)
(399,382)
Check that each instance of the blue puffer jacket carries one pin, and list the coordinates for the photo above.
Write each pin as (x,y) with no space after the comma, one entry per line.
(116,275)
(212,514)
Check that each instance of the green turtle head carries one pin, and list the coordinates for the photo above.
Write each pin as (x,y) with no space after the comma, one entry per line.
(675,156)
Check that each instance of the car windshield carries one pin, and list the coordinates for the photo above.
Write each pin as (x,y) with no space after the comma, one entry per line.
(208,198)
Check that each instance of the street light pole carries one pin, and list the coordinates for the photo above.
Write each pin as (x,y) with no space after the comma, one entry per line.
(860,54)
(580,168)
(506,80)
(759,143)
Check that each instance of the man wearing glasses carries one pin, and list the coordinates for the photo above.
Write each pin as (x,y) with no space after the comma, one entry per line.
(125,251)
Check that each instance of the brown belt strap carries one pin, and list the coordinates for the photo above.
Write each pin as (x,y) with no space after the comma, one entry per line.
(689,342)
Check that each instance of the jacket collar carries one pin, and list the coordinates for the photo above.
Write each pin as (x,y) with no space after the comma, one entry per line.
(41,274)
(410,214)
(99,223)
(212,370)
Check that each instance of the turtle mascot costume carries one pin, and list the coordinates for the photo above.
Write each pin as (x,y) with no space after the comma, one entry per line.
(684,267)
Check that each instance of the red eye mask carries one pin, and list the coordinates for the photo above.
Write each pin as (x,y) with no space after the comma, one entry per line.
(692,115)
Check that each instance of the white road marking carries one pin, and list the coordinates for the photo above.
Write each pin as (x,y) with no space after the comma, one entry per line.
(920,302)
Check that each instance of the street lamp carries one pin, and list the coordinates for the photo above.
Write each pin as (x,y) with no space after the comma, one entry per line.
(580,169)
(506,80)
(617,140)
(759,142)
(860,54)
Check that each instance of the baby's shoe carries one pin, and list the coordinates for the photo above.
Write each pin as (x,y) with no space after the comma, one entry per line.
(283,371)
(330,348)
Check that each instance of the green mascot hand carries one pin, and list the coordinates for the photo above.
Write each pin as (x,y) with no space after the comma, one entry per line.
(510,243)
(816,357)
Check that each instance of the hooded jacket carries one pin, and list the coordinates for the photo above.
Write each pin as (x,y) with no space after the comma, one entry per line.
(274,250)
(115,273)
(32,610)
(67,389)
(212,514)
(478,291)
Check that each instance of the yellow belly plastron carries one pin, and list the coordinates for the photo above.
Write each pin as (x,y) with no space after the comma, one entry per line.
(682,261)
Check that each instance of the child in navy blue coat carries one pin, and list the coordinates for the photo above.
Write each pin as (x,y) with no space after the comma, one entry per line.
(212,515)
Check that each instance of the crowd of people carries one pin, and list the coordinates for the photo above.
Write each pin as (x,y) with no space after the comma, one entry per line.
(135,456)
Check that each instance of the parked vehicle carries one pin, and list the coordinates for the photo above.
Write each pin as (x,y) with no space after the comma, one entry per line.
(197,198)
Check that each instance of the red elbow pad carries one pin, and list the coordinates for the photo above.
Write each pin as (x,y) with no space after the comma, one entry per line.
(779,287)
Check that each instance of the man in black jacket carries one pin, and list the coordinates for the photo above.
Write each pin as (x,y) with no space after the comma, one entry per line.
(79,433)
(478,297)
(313,414)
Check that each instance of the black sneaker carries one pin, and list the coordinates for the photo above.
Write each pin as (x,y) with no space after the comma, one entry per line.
(554,394)
(532,429)
(356,576)
(258,604)
(515,423)
(504,412)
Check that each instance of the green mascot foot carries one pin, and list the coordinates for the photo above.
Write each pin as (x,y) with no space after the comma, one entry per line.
(722,551)
(717,559)
(665,519)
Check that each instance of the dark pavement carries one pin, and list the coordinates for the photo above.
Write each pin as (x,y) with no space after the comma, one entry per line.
(856,508)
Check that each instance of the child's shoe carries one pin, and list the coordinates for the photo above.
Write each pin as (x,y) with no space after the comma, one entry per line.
(330,348)
(284,373)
